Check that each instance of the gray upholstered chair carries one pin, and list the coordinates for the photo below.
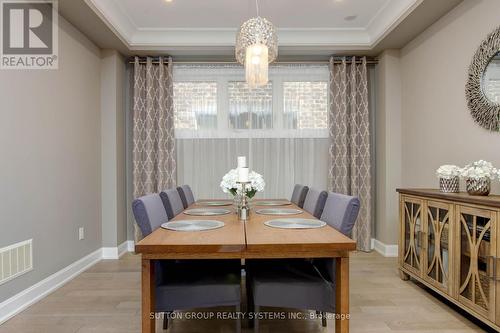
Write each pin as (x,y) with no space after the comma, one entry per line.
(187,284)
(149,213)
(186,195)
(172,202)
(299,195)
(315,202)
(302,284)
(341,212)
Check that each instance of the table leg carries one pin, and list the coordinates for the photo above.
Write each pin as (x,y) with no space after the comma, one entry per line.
(342,295)
(148,296)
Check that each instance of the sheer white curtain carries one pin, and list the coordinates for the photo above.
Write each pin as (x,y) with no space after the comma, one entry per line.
(281,128)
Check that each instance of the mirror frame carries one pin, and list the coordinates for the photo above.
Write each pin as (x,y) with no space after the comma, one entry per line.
(484,112)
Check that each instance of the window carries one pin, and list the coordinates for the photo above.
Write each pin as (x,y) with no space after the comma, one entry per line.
(195,105)
(215,102)
(250,108)
(305,105)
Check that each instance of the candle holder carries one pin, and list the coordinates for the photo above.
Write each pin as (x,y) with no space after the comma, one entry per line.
(243,208)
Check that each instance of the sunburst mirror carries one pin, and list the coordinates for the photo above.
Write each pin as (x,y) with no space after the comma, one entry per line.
(483,84)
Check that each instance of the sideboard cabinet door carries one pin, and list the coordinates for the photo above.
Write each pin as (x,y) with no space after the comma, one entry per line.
(476,249)
(411,234)
(437,244)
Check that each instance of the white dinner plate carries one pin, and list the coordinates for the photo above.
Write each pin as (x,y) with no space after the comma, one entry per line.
(272,203)
(192,225)
(295,223)
(214,203)
(278,211)
(207,211)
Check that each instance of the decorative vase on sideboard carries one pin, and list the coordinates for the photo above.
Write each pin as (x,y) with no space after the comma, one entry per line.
(449,185)
(478,186)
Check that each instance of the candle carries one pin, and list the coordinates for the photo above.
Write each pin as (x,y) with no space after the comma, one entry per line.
(242,162)
(243,175)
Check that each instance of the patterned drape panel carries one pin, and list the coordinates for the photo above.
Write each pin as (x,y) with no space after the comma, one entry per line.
(154,166)
(349,126)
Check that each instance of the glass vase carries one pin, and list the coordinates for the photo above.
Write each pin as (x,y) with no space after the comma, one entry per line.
(237,203)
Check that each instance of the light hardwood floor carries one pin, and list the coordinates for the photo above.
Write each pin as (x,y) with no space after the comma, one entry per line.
(106,299)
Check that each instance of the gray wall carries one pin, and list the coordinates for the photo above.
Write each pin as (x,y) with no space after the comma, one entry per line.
(388,146)
(50,134)
(113,187)
(129,100)
(422,116)
(436,123)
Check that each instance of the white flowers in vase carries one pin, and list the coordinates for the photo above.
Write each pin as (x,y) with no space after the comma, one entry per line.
(448,171)
(448,178)
(478,170)
(478,177)
(229,183)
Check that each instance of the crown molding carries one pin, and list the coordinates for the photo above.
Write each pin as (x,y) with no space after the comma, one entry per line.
(221,39)
(114,18)
(389,18)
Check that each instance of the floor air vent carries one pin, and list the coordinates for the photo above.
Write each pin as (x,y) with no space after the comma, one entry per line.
(15,260)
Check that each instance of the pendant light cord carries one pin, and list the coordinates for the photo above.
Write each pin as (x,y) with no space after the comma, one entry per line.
(257,7)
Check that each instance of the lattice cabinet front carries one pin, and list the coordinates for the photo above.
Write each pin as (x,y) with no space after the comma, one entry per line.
(448,242)
(411,234)
(476,259)
(438,255)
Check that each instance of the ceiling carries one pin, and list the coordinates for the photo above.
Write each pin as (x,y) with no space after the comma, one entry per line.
(198,14)
(209,27)
(208,23)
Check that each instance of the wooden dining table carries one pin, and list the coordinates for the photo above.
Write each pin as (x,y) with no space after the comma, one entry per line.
(246,240)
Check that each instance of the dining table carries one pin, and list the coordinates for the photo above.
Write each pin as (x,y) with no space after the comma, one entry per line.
(251,239)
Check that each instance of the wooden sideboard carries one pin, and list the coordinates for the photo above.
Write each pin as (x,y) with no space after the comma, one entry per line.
(448,242)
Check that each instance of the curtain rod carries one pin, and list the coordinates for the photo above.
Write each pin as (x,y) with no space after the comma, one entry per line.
(369,61)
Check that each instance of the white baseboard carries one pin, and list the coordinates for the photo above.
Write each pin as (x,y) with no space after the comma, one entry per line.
(27,297)
(117,252)
(109,253)
(130,246)
(387,250)
(33,294)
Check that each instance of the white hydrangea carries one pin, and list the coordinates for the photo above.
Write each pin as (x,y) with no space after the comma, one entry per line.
(448,171)
(256,181)
(479,169)
(229,183)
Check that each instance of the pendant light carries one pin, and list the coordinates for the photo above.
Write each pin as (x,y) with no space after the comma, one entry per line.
(256,48)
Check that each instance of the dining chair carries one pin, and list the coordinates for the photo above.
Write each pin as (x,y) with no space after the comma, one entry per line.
(186,195)
(315,202)
(299,195)
(341,212)
(298,283)
(187,284)
(172,202)
(149,213)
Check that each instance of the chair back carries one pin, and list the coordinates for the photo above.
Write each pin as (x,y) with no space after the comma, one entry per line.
(172,202)
(186,195)
(341,212)
(149,213)
(315,202)
(299,195)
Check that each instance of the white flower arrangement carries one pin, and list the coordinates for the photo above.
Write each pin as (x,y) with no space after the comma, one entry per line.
(479,169)
(229,183)
(448,171)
